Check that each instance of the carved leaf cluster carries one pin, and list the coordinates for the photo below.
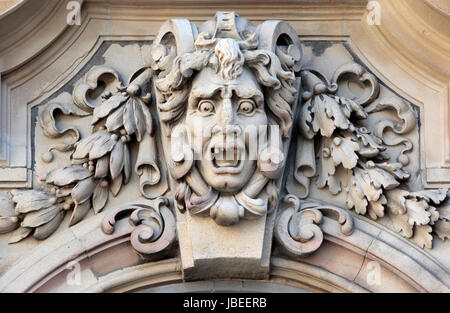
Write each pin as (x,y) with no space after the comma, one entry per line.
(413,215)
(350,157)
(30,212)
(101,162)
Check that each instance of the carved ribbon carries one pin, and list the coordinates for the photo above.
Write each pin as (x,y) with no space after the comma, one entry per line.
(408,118)
(152,181)
(47,122)
(305,165)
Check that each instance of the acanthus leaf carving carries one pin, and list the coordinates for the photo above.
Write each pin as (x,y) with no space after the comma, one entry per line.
(187,84)
(442,229)
(352,158)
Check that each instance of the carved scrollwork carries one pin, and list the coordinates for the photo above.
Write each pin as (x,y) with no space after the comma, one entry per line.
(100,162)
(207,84)
(298,229)
(408,122)
(353,72)
(259,62)
(47,121)
(154,232)
(99,79)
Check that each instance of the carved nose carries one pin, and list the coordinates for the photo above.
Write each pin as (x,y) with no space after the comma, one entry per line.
(226,130)
(227,114)
(227,124)
(231,130)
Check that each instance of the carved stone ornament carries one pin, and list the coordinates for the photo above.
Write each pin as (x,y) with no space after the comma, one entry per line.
(206,127)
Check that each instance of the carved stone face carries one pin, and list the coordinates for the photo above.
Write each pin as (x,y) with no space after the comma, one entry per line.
(218,113)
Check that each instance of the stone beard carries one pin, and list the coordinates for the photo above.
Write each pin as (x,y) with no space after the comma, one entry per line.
(208,100)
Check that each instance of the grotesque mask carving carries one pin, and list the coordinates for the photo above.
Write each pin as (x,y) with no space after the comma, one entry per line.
(225,94)
(226,104)
(224,107)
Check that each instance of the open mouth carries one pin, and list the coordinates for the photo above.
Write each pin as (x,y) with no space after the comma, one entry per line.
(226,158)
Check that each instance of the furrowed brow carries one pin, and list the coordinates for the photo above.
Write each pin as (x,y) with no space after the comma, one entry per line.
(248,93)
(203,93)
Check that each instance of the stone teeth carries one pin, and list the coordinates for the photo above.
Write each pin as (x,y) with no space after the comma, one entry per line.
(222,157)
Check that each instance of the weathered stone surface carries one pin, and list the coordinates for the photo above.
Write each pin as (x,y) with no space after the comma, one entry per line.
(140,151)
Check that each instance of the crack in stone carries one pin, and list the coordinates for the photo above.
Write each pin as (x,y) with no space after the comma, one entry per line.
(365,255)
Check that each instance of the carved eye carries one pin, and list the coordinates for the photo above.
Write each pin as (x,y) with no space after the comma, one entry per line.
(247,107)
(206,107)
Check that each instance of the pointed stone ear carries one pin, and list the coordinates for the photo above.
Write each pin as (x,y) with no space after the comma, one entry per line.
(280,38)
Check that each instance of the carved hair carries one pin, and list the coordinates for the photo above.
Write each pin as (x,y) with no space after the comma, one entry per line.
(228,59)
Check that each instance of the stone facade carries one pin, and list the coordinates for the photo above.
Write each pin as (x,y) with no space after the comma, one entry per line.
(145,144)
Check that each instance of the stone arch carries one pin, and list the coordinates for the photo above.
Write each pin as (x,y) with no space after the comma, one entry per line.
(332,268)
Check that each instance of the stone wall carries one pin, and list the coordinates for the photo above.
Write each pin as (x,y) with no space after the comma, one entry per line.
(127,159)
